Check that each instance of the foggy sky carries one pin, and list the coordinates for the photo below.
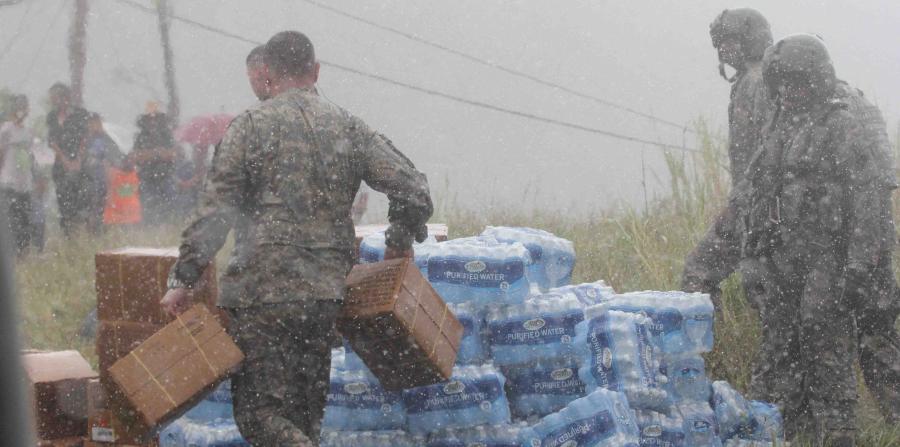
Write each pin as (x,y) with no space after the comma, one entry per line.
(650,55)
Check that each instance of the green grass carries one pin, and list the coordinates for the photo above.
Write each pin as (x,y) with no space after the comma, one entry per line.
(631,249)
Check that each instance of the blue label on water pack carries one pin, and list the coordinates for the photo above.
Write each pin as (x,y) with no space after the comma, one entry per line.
(559,381)
(587,431)
(475,273)
(656,436)
(601,347)
(478,443)
(664,320)
(645,355)
(536,331)
(359,395)
(454,395)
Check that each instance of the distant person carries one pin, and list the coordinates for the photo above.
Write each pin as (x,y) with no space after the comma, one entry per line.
(154,155)
(66,133)
(256,73)
(284,177)
(189,177)
(17,174)
(102,153)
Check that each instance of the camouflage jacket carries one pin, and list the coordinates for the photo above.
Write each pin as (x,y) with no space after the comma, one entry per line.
(821,179)
(284,177)
(748,111)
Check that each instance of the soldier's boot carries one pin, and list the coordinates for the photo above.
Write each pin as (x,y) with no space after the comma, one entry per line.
(879,359)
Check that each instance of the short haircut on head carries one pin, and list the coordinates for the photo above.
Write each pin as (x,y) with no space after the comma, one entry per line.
(60,89)
(290,53)
(257,55)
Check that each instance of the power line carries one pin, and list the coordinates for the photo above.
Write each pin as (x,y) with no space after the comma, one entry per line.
(497,66)
(473,103)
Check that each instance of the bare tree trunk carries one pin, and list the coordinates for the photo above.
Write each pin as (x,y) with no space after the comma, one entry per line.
(77,51)
(174,108)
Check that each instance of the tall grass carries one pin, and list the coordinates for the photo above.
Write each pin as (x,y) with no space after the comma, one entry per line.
(632,249)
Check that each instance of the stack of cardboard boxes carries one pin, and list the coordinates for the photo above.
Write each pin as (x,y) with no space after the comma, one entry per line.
(130,283)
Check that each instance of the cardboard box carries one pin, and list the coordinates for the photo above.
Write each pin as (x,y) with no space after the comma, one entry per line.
(131,281)
(398,325)
(96,397)
(173,368)
(115,339)
(58,384)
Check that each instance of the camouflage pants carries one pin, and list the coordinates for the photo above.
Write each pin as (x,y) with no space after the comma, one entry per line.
(878,344)
(279,391)
(808,354)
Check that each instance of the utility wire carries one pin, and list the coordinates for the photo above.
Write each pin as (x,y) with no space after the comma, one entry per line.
(18,33)
(483,105)
(499,67)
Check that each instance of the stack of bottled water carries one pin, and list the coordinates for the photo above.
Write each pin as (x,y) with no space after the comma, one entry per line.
(543,387)
(504,435)
(209,423)
(372,248)
(617,354)
(480,270)
(541,328)
(473,349)
(589,294)
(600,419)
(474,396)
(553,258)
(386,438)
(660,429)
(682,322)
(356,401)
(732,411)
(686,378)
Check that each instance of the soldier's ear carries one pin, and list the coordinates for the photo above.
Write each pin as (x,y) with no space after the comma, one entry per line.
(315,73)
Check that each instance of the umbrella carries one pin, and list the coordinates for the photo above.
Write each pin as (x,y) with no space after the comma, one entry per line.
(204,130)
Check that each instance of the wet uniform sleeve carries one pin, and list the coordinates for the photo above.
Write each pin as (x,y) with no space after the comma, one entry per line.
(222,200)
(716,255)
(388,171)
(869,224)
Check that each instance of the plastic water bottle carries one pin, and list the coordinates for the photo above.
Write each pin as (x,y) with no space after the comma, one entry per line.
(541,328)
(215,405)
(472,349)
(185,432)
(659,429)
(541,388)
(599,419)
(384,438)
(682,322)
(473,396)
(700,426)
(590,294)
(372,247)
(616,354)
(732,411)
(768,424)
(553,258)
(740,442)
(480,270)
(504,435)
(352,361)
(686,376)
(356,401)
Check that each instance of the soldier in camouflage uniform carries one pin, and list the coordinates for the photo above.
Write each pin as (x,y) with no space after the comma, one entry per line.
(719,252)
(814,210)
(284,177)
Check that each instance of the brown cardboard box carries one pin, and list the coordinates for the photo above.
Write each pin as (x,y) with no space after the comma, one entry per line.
(131,281)
(439,231)
(398,325)
(170,370)
(115,339)
(96,397)
(58,383)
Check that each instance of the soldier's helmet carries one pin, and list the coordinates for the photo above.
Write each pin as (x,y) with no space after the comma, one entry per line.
(799,55)
(748,25)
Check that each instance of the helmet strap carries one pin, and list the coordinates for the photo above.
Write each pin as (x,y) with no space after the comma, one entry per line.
(725,75)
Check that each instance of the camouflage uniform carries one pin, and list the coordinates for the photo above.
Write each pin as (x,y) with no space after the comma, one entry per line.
(815,211)
(284,177)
